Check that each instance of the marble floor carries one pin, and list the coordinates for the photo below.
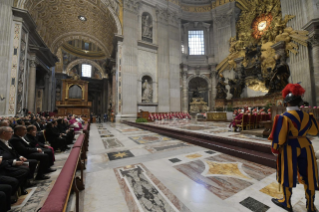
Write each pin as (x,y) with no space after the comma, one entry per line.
(130,170)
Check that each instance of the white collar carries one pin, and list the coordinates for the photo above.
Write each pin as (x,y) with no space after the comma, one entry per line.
(290,108)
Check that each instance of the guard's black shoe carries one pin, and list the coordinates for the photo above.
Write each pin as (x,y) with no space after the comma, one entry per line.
(312,210)
(281,205)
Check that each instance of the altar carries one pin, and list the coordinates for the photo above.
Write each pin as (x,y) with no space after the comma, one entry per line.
(74,98)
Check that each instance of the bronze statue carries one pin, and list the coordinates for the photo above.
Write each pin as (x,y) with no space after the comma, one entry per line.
(236,86)
(221,88)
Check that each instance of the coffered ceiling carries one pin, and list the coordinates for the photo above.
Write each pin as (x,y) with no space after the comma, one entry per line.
(57,22)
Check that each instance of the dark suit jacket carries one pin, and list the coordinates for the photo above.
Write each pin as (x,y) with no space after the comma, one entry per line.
(39,128)
(8,154)
(21,147)
(33,141)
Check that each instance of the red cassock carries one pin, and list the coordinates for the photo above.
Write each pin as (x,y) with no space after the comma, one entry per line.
(238,119)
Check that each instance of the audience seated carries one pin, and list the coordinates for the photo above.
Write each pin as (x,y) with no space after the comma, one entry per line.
(31,137)
(23,147)
(12,164)
(55,138)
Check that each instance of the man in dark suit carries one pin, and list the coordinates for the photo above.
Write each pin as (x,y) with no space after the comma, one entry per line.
(5,193)
(38,124)
(31,137)
(23,148)
(11,164)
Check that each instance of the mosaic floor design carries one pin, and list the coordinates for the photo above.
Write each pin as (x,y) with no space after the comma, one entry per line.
(103,132)
(272,190)
(112,143)
(24,198)
(254,205)
(36,198)
(144,192)
(99,158)
(106,136)
(144,139)
(161,147)
(224,175)
(126,130)
(120,155)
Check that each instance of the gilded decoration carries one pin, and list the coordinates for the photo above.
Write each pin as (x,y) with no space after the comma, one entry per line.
(259,27)
(201,8)
(57,18)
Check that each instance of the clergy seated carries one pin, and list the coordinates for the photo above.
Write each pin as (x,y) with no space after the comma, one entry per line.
(23,148)
(237,120)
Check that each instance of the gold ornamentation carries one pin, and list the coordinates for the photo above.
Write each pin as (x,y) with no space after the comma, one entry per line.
(251,21)
(229,169)
(56,18)
(120,155)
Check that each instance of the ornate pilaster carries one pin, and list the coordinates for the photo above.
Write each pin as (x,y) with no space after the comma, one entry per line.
(32,81)
(5,38)
(184,73)
(47,95)
(131,5)
(313,28)
(162,15)
(213,81)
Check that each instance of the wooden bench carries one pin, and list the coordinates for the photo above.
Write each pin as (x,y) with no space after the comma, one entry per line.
(67,181)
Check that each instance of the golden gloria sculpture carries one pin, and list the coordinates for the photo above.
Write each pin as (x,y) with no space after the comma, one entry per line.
(261,25)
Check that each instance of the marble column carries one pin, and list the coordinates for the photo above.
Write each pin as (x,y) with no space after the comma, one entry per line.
(184,73)
(213,80)
(104,96)
(46,93)
(312,27)
(32,81)
(5,40)
(114,93)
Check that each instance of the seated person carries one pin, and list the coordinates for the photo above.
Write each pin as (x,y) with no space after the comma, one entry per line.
(11,165)
(75,124)
(237,120)
(5,201)
(63,128)
(23,148)
(31,137)
(38,124)
(55,138)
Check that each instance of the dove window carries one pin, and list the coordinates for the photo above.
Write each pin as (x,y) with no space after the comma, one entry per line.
(196,42)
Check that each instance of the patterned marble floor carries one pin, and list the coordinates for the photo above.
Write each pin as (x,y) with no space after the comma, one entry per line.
(131,170)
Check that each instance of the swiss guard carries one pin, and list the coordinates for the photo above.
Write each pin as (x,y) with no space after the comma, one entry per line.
(295,154)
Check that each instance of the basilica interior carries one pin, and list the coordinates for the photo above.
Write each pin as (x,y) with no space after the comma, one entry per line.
(171,103)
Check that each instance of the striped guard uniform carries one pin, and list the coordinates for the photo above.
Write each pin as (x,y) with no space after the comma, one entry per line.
(296,156)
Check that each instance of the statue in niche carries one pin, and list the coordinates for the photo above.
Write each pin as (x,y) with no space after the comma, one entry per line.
(147,92)
(221,88)
(147,28)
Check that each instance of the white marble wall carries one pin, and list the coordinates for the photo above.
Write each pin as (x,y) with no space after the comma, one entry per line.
(299,64)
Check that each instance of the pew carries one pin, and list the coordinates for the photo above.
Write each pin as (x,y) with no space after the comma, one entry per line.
(67,181)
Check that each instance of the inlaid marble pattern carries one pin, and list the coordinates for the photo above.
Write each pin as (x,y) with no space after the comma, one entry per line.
(112,143)
(175,160)
(272,190)
(144,192)
(144,139)
(217,131)
(103,132)
(120,155)
(165,147)
(224,175)
(126,130)
(193,156)
(254,205)
(107,136)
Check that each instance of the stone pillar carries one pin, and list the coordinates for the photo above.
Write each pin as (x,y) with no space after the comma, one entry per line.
(5,40)
(32,81)
(104,96)
(114,93)
(213,81)
(46,93)
(313,28)
(184,73)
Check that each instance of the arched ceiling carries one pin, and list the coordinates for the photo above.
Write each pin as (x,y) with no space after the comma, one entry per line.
(57,22)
